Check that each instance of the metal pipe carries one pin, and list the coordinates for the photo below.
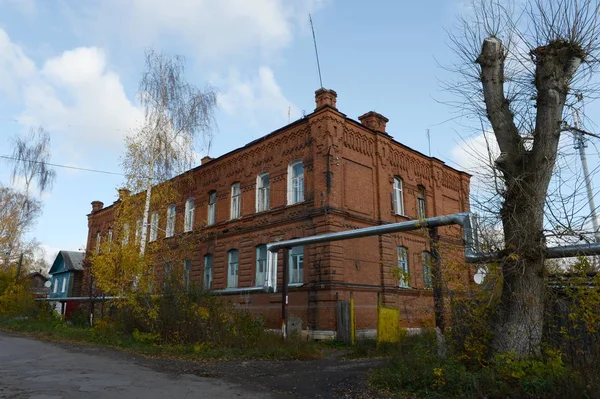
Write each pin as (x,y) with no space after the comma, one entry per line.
(573,250)
(284,292)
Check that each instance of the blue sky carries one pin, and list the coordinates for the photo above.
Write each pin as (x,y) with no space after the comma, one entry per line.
(73,67)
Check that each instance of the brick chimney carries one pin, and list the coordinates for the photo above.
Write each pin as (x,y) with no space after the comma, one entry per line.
(374,121)
(205,159)
(325,97)
(97,205)
(123,193)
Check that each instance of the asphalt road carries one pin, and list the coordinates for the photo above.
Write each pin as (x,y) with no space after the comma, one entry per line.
(40,370)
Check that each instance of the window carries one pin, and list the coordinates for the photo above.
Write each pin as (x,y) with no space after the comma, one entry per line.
(125,239)
(232,274)
(261,264)
(154,226)
(64,285)
(98,239)
(295,183)
(421,204)
(212,207)
(55,289)
(426,259)
(189,215)
(397,197)
(208,271)
(138,230)
(236,200)
(170,221)
(168,275)
(262,192)
(110,234)
(403,280)
(187,270)
(296,264)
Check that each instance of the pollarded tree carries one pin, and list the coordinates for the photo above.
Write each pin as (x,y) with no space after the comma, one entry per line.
(522,72)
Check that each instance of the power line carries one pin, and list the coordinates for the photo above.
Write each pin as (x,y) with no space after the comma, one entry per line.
(63,166)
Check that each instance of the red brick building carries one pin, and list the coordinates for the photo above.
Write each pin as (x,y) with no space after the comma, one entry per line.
(323,173)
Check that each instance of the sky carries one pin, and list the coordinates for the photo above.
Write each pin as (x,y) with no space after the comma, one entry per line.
(73,67)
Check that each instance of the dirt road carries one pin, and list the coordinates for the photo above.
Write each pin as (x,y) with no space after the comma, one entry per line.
(41,370)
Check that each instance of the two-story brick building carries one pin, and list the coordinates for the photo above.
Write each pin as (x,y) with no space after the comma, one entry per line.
(320,174)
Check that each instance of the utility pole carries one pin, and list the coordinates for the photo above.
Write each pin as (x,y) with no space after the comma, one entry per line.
(580,145)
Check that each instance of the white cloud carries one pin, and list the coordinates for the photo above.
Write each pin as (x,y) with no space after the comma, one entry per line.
(217,30)
(74,94)
(256,97)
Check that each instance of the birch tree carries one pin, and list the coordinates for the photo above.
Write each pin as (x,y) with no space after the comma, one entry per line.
(523,70)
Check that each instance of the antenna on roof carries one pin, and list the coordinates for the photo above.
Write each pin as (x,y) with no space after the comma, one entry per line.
(428,140)
(289,113)
(316,52)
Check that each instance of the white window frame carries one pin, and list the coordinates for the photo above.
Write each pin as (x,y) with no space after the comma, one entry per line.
(208,271)
(190,206)
(404,276)
(421,203)
(171,215)
(236,201)
(295,184)
(110,237)
(261,265)
(98,240)
(153,226)
(55,289)
(64,285)
(139,225)
(233,267)
(212,208)
(125,238)
(398,196)
(296,265)
(426,260)
(187,273)
(263,192)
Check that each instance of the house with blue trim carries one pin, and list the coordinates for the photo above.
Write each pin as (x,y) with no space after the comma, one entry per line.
(66,274)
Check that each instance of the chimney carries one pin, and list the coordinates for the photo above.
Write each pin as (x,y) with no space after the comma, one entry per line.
(374,121)
(325,97)
(97,205)
(205,159)
(123,193)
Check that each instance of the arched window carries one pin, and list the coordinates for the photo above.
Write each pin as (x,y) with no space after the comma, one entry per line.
(397,197)
(98,239)
(189,215)
(263,187)
(421,204)
(208,271)
(232,272)
(295,182)
(261,265)
(212,207)
(170,230)
(426,260)
(236,200)
(403,279)
(154,226)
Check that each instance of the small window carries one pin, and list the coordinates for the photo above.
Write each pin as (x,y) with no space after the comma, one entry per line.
(295,183)
(261,264)
(154,226)
(208,271)
(64,285)
(189,215)
(232,274)
(427,260)
(187,271)
(170,221)
(403,280)
(421,204)
(212,207)
(296,265)
(263,192)
(98,239)
(236,200)
(55,288)
(125,238)
(168,275)
(398,200)
(110,237)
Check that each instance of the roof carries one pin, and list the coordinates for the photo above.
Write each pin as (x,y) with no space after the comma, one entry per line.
(35,274)
(73,260)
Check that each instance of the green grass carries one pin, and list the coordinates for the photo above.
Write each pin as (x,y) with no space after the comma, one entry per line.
(270,346)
